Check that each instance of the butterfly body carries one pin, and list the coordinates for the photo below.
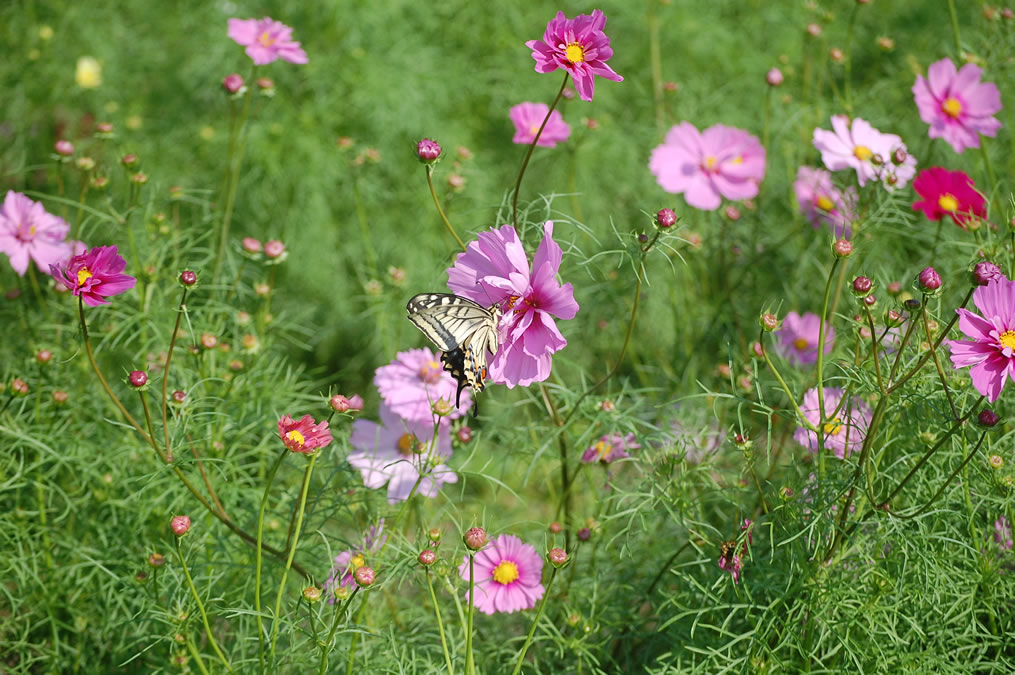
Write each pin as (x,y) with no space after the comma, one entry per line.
(463,330)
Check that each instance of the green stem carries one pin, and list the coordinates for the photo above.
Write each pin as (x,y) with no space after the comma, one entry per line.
(655,59)
(847,89)
(151,431)
(200,607)
(937,343)
(955,29)
(874,350)
(165,372)
(292,552)
(990,169)
(792,399)
(937,362)
(436,202)
(944,484)
(535,622)
(528,154)
(470,663)
(440,623)
(235,161)
(260,539)
(192,648)
(820,371)
(326,645)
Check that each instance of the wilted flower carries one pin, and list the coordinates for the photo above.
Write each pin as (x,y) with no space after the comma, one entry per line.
(845,426)
(610,448)
(527,118)
(507,576)
(413,382)
(823,203)
(991,351)
(304,436)
(799,338)
(956,105)
(948,193)
(266,40)
(95,275)
(577,45)
(27,230)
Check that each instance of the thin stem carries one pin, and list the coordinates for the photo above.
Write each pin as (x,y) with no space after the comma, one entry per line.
(792,399)
(944,484)
(151,431)
(440,623)
(436,202)
(535,622)
(326,645)
(937,362)
(990,169)
(934,346)
(847,89)
(955,29)
(192,648)
(235,160)
(292,553)
(655,59)
(528,154)
(260,539)
(820,369)
(874,348)
(470,663)
(165,372)
(200,607)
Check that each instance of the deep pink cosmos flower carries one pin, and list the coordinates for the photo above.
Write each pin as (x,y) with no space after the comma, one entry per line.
(347,562)
(991,351)
(27,230)
(95,275)
(395,452)
(861,147)
(266,40)
(508,575)
(577,45)
(413,382)
(705,166)
(823,203)
(845,427)
(948,193)
(495,270)
(956,105)
(610,448)
(304,435)
(527,118)
(798,338)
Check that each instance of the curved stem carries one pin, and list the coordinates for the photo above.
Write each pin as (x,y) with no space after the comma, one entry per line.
(165,372)
(528,154)
(436,202)
(470,663)
(944,484)
(535,622)
(792,399)
(151,431)
(200,607)
(257,573)
(326,645)
(934,346)
(440,623)
(192,648)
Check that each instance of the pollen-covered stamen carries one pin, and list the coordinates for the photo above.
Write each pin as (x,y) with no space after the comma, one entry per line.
(800,344)
(505,572)
(948,203)
(574,53)
(824,203)
(1007,340)
(294,435)
(834,428)
(862,152)
(266,40)
(710,163)
(601,449)
(952,107)
(83,276)
(509,304)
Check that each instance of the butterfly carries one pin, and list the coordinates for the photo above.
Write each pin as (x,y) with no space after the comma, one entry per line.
(463,330)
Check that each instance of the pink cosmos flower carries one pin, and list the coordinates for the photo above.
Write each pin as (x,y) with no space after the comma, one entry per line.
(798,338)
(394,452)
(991,351)
(416,380)
(861,147)
(956,105)
(508,574)
(347,562)
(94,275)
(494,270)
(27,230)
(610,448)
(304,436)
(577,45)
(705,166)
(823,203)
(845,427)
(527,118)
(948,193)
(266,40)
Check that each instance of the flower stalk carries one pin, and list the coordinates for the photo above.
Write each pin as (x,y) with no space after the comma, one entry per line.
(200,607)
(528,154)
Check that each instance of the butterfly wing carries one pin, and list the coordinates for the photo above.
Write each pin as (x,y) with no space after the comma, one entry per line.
(451,321)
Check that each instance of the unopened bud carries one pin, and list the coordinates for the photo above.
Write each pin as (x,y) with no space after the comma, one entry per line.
(427,557)
(475,538)
(769,322)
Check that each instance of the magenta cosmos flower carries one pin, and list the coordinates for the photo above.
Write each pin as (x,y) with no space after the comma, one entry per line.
(27,230)
(823,203)
(394,452)
(798,338)
(869,152)
(95,275)
(577,45)
(304,435)
(705,166)
(948,193)
(495,270)
(508,574)
(845,427)
(528,116)
(991,349)
(413,382)
(266,40)
(956,105)
(347,562)
(610,448)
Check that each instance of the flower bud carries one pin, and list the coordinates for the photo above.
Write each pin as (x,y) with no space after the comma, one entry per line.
(156,560)
(911,304)
(556,527)
(813,29)
(1007,14)
(266,85)
(364,576)
(100,183)
(434,534)
(427,557)
(209,341)
(757,349)
(63,148)
(85,163)
(428,151)
(584,534)
(607,405)
(442,407)
(138,378)
(642,238)
(59,396)
(893,318)
(987,418)
(862,286)
(311,594)
(995,461)
(842,248)
(104,128)
(139,178)
(475,538)
(886,43)
(666,218)
(786,492)
(899,156)
(769,322)
(774,77)
(557,557)
(870,300)
(180,525)
(251,245)
(43,356)
(179,396)
(464,434)
(836,55)
(985,272)
(188,278)
(273,249)
(342,404)
(894,288)
(742,441)
(233,83)
(129,160)
(732,212)
(929,280)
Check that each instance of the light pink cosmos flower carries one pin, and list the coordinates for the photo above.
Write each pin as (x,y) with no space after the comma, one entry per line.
(27,230)
(508,575)
(304,435)
(495,270)
(823,203)
(869,152)
(991,351)
(394,452)
(956,105)
(706,166)
(577,45)
(94,275)
(416,380)
(266,40)
(845,427)
(610,448)
(528,116)
(798,338)
(347,562)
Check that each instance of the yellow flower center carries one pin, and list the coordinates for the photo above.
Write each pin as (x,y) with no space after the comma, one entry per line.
(951,107)
(800,344)
(574,53)
(430,372)
(266,40)
(534,129)
(601,449)
(710,163)
(739,159)
(297,437)
(1008,339)
(833,428)
(825,204)
(948,203)
(862,152)
(83,276)
(505,572)
(406,443)
(356,562)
